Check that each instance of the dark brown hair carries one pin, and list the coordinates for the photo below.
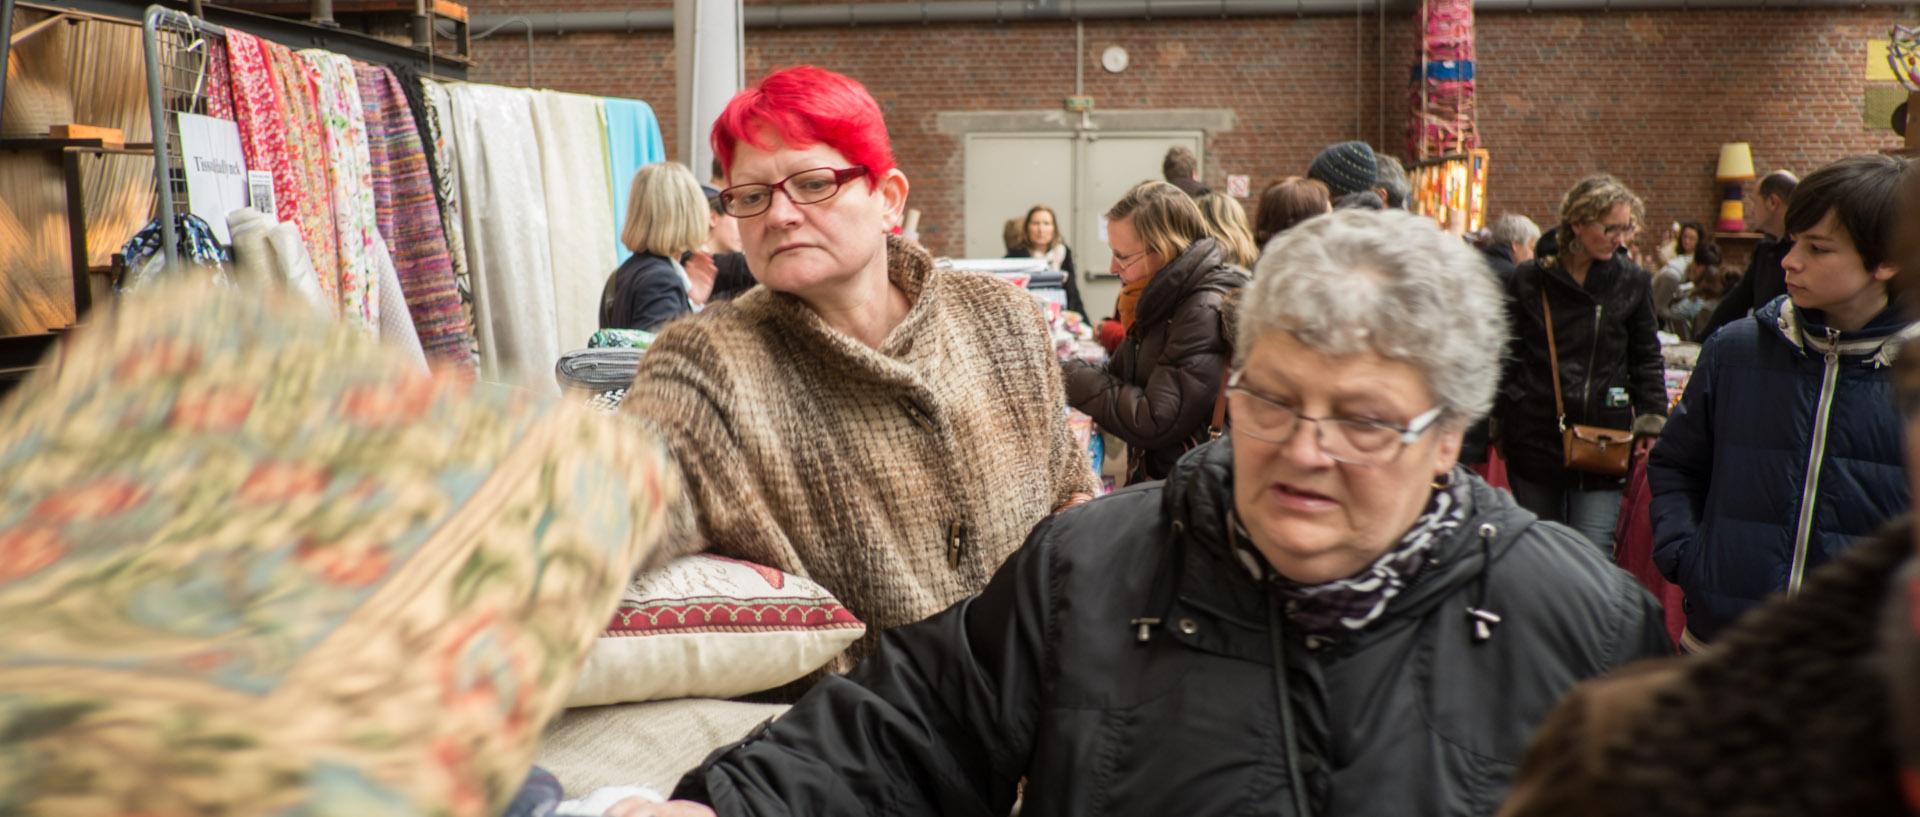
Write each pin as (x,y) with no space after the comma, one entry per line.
(1862,193)
(1285,203)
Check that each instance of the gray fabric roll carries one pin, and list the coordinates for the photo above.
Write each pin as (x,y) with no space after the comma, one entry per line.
(597,370)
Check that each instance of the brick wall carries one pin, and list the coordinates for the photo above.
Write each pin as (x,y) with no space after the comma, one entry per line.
(1648,96)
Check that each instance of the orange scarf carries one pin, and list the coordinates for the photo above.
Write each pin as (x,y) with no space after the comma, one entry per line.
(1130,300)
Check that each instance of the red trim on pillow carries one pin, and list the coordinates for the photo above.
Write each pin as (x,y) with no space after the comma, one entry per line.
(720,614)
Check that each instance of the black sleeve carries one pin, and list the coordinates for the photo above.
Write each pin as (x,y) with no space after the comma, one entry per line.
(731,276)
(1737,303)
(1073,285)
(939,720)
(1646,366)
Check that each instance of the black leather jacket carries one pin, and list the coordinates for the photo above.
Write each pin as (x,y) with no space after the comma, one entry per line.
(1605,330)
(1046,676)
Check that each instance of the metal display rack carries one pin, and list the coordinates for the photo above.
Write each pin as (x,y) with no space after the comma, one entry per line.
(179,50)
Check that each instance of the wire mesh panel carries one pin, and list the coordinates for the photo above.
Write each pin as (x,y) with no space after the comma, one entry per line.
(180,50)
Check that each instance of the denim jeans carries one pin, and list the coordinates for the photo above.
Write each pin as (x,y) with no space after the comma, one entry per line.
(1593,513)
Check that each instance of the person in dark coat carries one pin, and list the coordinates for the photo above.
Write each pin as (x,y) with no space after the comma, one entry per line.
(1764,279)
(1182,169)
(666,218)
(1041,238)
(1510,244)
(1611,371)
(1157,392)
(1323,614)
(1787,445)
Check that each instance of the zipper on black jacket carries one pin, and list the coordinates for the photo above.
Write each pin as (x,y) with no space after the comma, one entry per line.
(1593,354)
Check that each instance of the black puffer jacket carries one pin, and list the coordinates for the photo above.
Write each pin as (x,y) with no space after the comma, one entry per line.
(1606,334)
(1044,676)
(1158,390)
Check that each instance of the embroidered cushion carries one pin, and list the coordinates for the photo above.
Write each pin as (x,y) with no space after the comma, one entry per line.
(705,626)
(253,564)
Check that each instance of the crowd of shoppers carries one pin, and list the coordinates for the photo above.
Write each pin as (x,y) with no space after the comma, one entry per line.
(1266,619)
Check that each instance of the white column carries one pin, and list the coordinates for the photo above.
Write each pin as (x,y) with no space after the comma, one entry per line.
(708,69)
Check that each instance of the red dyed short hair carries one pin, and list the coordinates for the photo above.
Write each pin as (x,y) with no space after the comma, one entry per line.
(805,106)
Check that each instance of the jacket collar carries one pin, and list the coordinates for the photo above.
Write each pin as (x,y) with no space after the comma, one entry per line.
(1202,266)
(1600,272)
(1208,575)
(1879,341)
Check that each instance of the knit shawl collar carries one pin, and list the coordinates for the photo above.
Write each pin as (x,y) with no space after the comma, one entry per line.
(900,357)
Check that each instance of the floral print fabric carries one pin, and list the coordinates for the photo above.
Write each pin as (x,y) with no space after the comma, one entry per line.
(306,153)
(254,565)
(350,174)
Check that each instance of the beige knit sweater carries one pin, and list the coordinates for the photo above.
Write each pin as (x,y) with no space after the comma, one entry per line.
(900,478)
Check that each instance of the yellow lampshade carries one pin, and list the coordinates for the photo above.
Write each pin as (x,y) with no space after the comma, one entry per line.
(1736,162)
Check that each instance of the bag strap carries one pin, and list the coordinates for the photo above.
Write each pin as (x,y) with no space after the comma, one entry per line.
(1553,357)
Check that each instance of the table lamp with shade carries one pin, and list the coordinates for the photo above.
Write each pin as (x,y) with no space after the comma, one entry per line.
(1736,167)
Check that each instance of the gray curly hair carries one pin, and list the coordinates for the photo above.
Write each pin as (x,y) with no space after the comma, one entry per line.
(1388,282)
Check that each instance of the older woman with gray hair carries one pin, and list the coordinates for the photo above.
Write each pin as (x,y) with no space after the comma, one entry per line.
(1125,660)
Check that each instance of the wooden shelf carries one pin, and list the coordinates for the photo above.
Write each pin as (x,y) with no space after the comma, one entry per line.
(91,145)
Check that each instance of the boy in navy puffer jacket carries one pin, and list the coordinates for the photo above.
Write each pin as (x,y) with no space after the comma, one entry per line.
(1786,446)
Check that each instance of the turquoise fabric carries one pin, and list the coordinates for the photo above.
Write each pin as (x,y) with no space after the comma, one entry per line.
(633,140)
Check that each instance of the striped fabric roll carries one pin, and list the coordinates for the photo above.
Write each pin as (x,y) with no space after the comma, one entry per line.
(409,219)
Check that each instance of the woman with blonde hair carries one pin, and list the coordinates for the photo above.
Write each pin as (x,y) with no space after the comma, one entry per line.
(1227,223)
(666,218)
(1158,390)
(1039,236)
(1288,202)
(1601,333)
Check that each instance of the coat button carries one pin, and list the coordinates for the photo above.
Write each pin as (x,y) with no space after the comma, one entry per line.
(1188,626)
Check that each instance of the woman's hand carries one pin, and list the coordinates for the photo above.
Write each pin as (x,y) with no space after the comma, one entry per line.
(642,807)
(701,272)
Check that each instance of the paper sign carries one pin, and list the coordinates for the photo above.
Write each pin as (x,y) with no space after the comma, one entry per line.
(1103,229)
(1237,186)
(216,170)
(260,192)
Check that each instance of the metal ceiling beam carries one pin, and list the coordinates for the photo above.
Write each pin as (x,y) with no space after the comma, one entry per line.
(1013,11)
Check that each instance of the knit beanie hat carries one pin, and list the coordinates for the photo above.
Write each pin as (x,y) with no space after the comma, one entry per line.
(1348,167)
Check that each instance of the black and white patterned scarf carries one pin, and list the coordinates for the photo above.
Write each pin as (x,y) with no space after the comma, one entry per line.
(1324,611)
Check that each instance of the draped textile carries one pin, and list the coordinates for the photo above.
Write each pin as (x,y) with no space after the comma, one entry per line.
(218,90)
(306,156)
(350,178)
(396,325)
(573,166)
(505,210)
(261,114)
(407,213)
(633,141)
(446,183)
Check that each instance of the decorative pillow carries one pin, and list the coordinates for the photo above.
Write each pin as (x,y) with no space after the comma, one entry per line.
(706,626)
(254,564)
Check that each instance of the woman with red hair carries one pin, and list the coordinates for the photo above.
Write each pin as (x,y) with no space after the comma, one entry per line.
(891,430)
